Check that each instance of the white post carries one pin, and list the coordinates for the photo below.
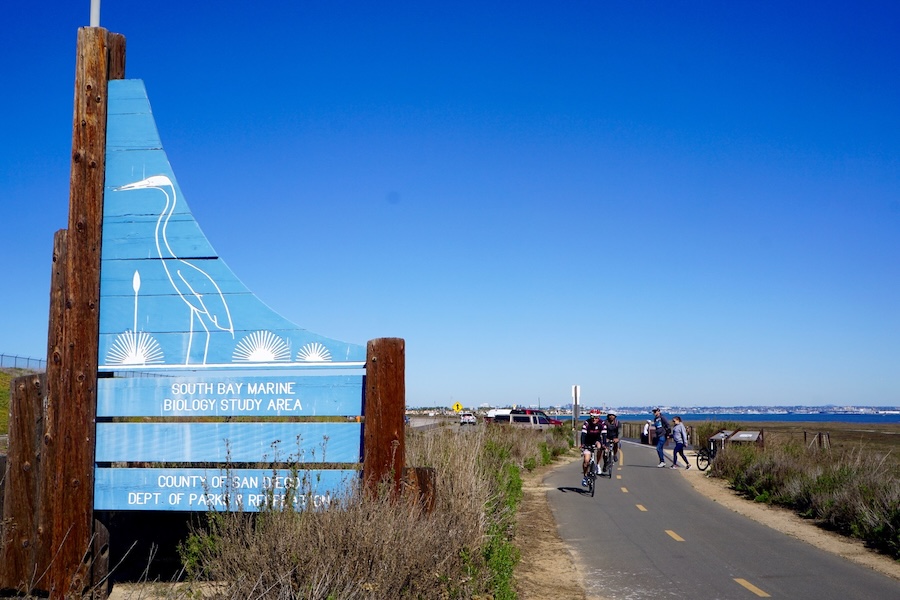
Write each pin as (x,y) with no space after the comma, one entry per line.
(95,13)
(576,396)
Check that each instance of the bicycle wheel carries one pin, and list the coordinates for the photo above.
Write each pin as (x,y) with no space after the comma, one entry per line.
(592,477)
(703,459)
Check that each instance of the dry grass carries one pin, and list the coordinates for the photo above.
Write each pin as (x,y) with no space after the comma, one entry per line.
(372,547)
(5,380)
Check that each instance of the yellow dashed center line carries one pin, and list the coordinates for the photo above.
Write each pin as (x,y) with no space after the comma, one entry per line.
(641,507)
(618,477)
(752,588)
(674,535)
(624,490)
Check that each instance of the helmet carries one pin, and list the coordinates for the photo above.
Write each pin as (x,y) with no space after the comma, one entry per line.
(595,414)
(611,413)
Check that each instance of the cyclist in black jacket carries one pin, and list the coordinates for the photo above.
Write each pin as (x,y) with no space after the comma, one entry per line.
(612,432)
(593,434)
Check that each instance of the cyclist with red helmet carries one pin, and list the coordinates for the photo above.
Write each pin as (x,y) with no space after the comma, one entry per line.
(593,435)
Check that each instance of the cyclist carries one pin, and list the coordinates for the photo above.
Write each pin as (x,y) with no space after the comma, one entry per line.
(593,434)
(612,427)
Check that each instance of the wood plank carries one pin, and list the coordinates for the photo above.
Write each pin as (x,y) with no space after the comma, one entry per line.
(202,489)
(228,442)
(231,395)
(118,278)
(287,348)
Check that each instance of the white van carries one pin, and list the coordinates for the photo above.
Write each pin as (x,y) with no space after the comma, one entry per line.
(529,421)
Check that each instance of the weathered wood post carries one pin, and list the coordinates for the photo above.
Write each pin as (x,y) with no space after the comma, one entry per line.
(24,569)
(47,484)
(384,437)
(74,408)
(20,510)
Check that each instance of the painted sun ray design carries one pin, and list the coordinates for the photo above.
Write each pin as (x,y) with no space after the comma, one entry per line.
(134,347)
(262,346)
(313,352)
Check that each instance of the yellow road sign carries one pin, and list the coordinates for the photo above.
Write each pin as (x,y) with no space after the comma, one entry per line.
(457,407)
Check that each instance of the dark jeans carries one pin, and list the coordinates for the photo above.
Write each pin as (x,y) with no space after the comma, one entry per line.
(679,449)
(660,442)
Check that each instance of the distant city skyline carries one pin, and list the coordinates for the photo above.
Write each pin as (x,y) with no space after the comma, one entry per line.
(638,410)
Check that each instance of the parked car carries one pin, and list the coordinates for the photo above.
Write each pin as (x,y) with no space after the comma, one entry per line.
(536,417)
(538,412)
(497,412)
(467,418)
(523,419)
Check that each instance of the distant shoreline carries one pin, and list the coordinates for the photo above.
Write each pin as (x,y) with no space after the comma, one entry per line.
(846,418)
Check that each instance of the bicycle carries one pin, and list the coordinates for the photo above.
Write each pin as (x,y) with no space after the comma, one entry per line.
(607,461)
(592,470)
(705,456)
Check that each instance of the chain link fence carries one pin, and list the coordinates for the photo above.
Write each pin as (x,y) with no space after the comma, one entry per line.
(11,361)
(37,365)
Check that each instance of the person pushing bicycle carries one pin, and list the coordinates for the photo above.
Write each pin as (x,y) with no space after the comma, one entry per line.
(593,435)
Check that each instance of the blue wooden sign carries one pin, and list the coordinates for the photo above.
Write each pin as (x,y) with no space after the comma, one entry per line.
(167,298)
(170,306)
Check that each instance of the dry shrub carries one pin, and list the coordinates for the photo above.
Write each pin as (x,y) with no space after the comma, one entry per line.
(366,547)
(370,546)
(852,490)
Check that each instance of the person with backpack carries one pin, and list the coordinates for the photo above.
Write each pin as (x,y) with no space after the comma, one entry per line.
(663,433)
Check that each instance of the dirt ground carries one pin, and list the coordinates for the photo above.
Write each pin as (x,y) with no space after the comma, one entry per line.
(552,574)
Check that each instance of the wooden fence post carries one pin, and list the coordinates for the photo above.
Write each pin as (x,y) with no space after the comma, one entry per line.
(384,437)
(43,550)
(19,505)
(419,486)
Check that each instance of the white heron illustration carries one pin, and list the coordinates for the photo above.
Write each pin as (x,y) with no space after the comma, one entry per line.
(194,286)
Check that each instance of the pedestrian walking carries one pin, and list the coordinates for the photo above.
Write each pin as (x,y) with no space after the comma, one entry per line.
(645,433)
(679,434)
(663,433)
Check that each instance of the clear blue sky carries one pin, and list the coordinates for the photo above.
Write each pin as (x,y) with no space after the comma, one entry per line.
(691,203)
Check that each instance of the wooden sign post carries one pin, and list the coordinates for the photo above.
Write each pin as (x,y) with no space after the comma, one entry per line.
(74,408)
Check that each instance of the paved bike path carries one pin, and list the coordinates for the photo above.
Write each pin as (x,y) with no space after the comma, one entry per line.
(648,534)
